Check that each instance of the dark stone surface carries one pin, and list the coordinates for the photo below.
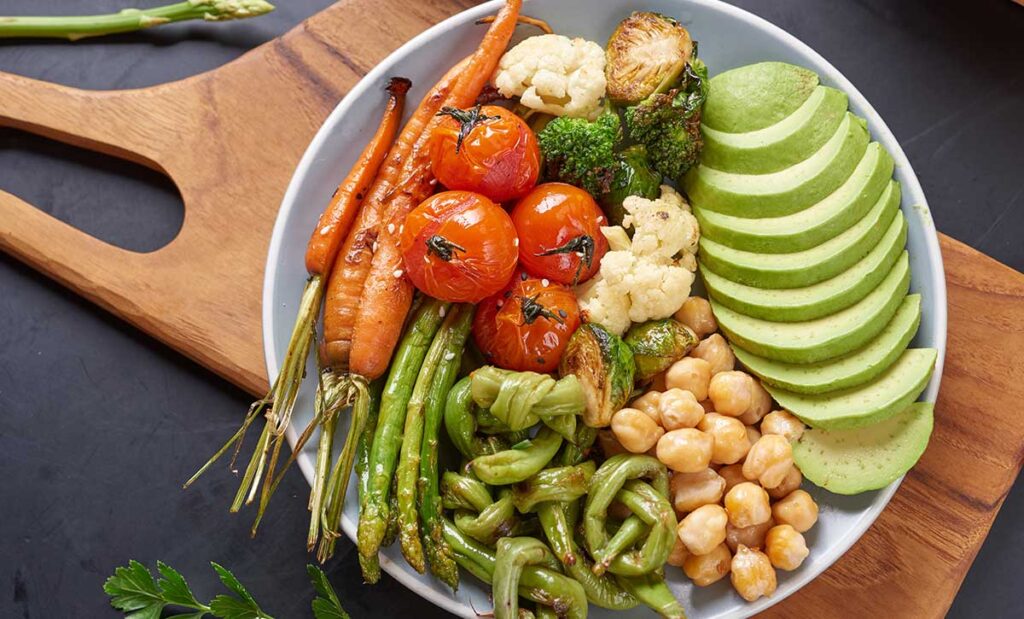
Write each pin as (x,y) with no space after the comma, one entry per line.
(99,425)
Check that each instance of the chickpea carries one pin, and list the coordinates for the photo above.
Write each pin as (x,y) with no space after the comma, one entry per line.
(678,554)
(760,404)
(790,482)
(747,504)
(783,423)
(751,537)
(679,409)
(685,450)
(703,529)
(696,314)
(753,435)
(692,490)
(752,574)
(648,404)
(609,445)
(785,547)
(715,351)
(798,510)
(691,374)
(731,442)
(708,568)
(732,474)
(768,460)
(636,431)
(731,392)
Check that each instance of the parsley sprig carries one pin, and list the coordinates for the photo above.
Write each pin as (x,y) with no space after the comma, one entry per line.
(133,590)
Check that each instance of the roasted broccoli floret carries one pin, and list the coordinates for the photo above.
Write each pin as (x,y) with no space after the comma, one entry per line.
(668,123)
(581,152)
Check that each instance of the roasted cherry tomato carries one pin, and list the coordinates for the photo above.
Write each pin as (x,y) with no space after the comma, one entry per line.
(527,325)
(459,246)
(559,230)
(486,149)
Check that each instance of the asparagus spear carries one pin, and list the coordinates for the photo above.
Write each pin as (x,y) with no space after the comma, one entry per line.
(78,27)
(439,553)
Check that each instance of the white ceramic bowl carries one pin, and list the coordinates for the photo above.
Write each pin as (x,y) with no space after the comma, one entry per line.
(728,37)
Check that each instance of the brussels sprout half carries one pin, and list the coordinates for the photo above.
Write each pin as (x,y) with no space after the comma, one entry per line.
(646,51)
(658,344)
(604,366)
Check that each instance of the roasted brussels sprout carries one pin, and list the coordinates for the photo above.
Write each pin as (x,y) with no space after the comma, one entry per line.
(658,344)
(633,177)
(646,52)
(604,366)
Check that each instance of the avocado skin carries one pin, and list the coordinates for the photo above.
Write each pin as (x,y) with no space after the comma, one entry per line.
(850,462)
(817,300)
(872,402)
(756,96)
(823,338)
(787,142)
(850,370)
(812,226)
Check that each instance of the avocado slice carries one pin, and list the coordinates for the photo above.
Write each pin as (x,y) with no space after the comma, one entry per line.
(787,191)
(816,300)
(812,226)
(854,461)
(822,338)
(810,266)
(870,403)
(855,368)
(787,142)
(756,96)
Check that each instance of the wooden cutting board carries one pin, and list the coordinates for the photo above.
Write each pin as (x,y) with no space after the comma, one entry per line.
(230,140)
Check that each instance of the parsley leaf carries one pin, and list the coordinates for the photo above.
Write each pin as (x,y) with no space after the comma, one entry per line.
(133,590)
(326,605)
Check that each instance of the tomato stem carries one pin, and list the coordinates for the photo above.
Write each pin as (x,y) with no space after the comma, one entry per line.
(467,119)
(532,310)
(583,245)
(443,248)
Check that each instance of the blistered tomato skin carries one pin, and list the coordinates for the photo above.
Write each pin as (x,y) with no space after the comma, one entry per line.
(499,155)
(559,228)
(459,246)
(527,326)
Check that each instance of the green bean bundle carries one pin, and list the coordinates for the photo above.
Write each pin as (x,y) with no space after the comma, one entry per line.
(652,515)
(522,399)
(512,557)
(465,425)
(477,514)
(519,462)
(564,483)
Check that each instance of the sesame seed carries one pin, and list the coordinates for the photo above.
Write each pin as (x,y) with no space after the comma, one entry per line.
(515,242)
(448,356)
(398,273)
(373,247)
(499,303)
(544,282)
(401,228)
(441,311)
(391,228)
(426,258)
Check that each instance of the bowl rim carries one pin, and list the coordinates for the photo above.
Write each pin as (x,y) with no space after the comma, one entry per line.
(881,132)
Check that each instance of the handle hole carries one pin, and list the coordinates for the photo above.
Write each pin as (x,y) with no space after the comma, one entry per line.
(116,201)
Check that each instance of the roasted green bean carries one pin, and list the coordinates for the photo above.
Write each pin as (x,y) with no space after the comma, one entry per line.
(522,399)
(564,483)
(521,461)
(513,554)
(461,422)
(653,592)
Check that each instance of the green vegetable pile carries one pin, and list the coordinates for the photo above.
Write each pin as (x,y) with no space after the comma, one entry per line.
(511,490)
(660,100)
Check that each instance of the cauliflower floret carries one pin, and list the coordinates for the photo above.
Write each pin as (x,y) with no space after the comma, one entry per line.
(662,227)
(651,276)
(554,74)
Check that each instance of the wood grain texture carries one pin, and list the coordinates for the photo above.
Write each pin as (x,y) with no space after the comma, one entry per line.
(230,139)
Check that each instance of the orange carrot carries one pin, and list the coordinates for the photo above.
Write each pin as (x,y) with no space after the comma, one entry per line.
(352,265)
(387,294)
(335,221)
